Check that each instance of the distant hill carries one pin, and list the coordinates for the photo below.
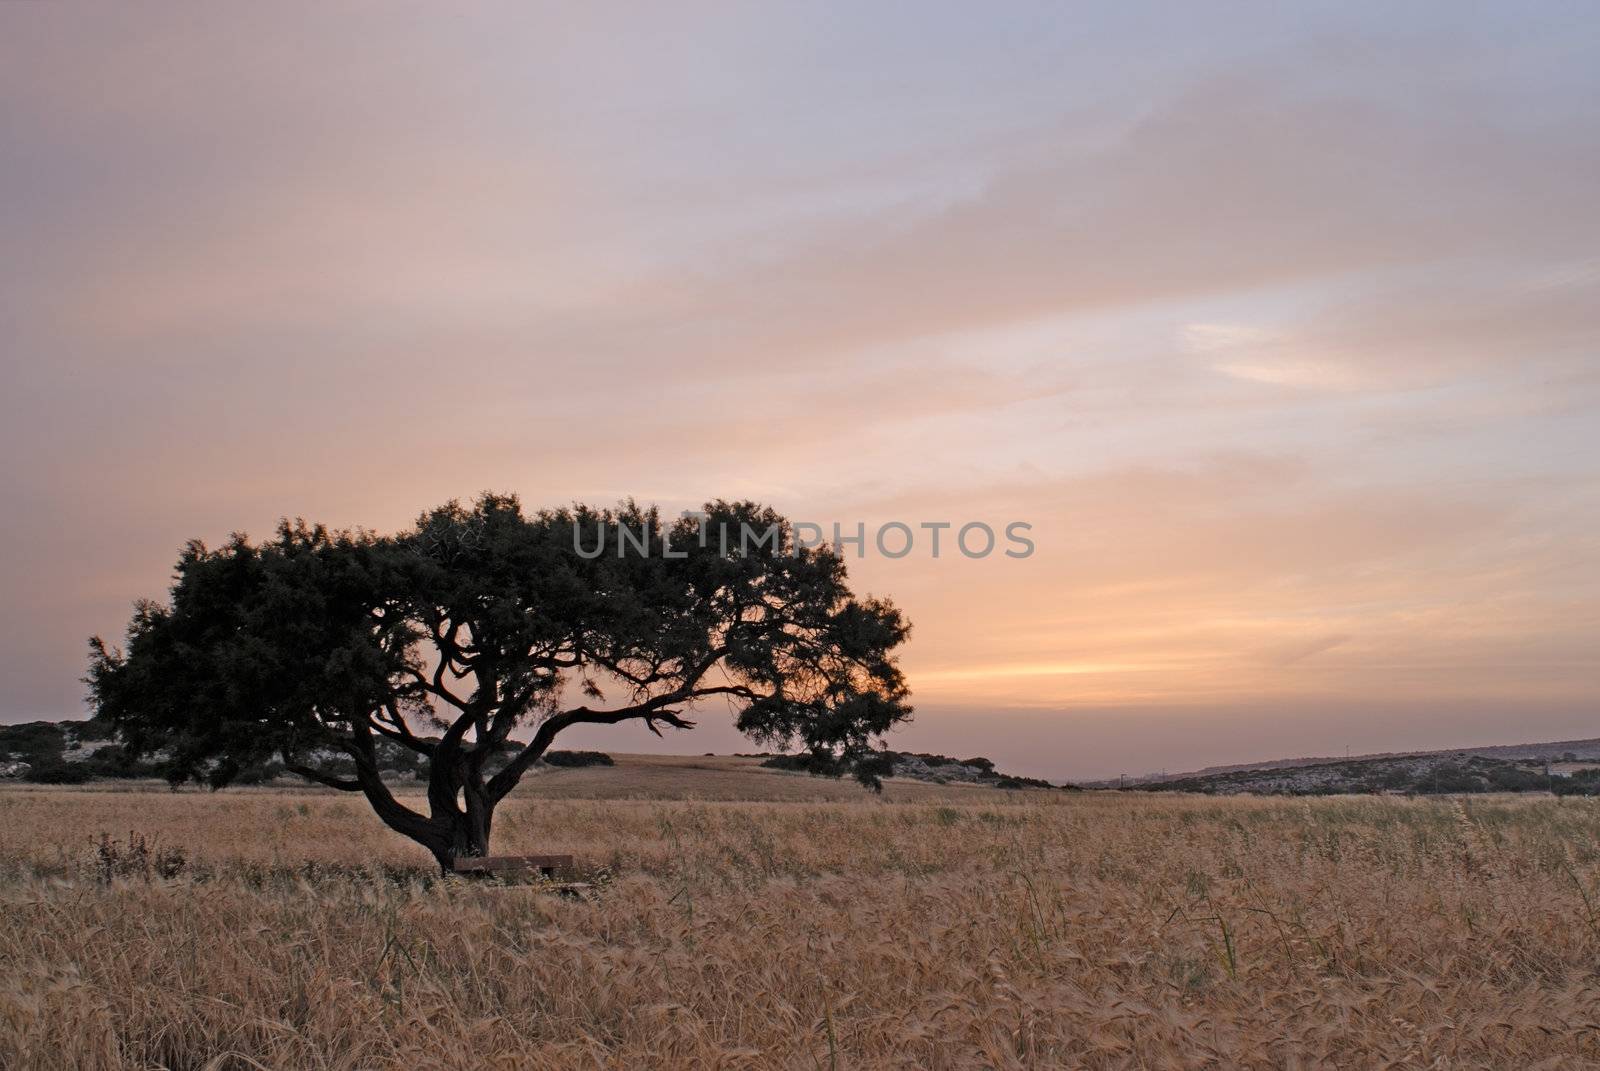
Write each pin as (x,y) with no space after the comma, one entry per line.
(1561,766)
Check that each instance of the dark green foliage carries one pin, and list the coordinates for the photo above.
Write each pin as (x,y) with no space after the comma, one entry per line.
(34,741)
(57,772)
(1505,777)
(885,762)
(115,760)
(1395,780)
(930,758)
(262,650)
(342,655)
(577,758)
(43,745)
(1449,777)
(876,764)
(799,763)
(1581,783)
(1014,781)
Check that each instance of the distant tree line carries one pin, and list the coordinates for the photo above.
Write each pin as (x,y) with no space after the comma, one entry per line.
(41,753)
(918,765)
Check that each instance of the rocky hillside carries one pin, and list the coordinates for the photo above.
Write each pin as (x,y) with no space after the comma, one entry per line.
(1556,751)
(1563,772)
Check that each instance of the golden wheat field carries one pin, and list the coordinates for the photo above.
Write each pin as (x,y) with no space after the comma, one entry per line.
(823,928)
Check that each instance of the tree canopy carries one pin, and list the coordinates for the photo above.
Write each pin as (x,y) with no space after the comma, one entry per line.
(477,636)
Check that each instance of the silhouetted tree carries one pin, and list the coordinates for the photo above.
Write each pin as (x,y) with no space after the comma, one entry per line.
(314,647)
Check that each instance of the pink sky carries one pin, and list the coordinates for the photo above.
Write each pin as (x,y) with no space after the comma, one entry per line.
(1280,329)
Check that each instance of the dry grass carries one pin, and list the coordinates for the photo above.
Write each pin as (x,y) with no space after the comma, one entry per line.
(985,929)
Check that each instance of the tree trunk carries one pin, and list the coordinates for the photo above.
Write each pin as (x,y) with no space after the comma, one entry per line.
(460,804)
(469,829)
(462,815)
(458,839)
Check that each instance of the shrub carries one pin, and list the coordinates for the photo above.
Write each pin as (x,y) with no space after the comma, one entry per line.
(36,742)
(577,758)
(1450,778)
(58,773)
(114,760)
(1509,778)
(1013,781)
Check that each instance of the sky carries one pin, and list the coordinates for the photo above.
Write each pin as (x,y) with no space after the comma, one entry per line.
(1279,324)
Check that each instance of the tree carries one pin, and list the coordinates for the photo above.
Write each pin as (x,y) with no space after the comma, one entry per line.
(321,648)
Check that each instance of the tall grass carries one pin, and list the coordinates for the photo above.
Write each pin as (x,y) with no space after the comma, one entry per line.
(1044,932)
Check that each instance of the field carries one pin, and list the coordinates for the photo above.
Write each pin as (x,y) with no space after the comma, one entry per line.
(749,918)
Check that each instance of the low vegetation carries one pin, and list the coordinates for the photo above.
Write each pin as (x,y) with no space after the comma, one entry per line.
(920,766)
(931,927)
(78,752)
(1424,774)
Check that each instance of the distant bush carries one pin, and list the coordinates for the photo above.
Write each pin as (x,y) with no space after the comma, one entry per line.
(935,760)
(577,758)
(1450,778)
(1515,779)
(1013,781)
(1581,783)
(885,760)
(114,760)
(877,764)
(1398,779)
(58,773)
(36,742)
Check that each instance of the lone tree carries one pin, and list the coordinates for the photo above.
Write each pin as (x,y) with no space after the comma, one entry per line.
(322,649)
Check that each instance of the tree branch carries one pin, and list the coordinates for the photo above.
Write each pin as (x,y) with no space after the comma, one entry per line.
(395,815)
(395,728)
(436,687)
(340,783)
(650,711)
